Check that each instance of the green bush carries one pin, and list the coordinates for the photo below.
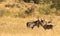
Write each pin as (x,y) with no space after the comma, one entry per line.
(46,1)
(56,4)
(44,10)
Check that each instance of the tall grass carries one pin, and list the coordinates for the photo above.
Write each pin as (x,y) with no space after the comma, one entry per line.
(42,10)
(20,1)
(2,0)
(45,9)
(4,13)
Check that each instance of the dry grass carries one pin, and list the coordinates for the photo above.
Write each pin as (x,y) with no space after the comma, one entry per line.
(13,20)
(17,27)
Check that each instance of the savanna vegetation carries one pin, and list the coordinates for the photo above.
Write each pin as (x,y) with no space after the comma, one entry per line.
(14,14)
(46,7)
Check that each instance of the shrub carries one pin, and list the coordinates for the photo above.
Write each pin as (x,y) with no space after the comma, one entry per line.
(47,1)
(45,10)
(29,11)
(36,1)
(19,0)
(56,4)
(10,5)
(27,1)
